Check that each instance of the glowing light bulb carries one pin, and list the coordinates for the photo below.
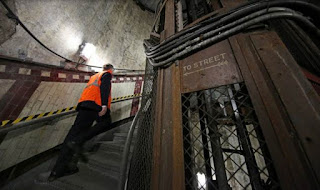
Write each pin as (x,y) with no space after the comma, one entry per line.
(201,181)
(87,51)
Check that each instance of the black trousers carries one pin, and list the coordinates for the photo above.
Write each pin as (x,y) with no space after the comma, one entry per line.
(80,132)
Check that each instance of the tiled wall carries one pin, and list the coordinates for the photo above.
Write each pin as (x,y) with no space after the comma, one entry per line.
(24,80)
(22,144)
(28,90)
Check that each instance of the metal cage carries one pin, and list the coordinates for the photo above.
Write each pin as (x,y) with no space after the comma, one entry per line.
(223,144)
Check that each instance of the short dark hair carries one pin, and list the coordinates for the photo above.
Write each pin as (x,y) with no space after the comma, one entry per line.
(107,66)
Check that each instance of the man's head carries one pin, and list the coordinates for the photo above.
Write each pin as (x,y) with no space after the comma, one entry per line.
(108,67)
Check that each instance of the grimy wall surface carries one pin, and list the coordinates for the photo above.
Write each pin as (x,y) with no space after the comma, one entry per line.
(116,27)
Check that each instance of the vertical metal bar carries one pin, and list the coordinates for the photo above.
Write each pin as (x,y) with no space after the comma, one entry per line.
(205,142)
(166,157)
(264,149)
(246,145)
(205,7)
(157,133)
(213,185)
(169,23)
(191,10)
(272,175)
(215,143)
(177,136)
(189,175)
(158,15)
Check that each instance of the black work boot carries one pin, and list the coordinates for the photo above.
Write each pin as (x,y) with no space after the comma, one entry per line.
(53,176)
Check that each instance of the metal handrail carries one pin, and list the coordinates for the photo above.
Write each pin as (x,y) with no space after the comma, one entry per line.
(126,151)
(32,122)
(116,101)
(24,124)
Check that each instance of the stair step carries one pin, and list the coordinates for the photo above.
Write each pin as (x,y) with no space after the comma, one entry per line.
(107,163)
(101,172)
(57,184)
(111,146)
(110,173)
(115,155)
(105,160)
(120,134)
(107,170)
(123,136)
(86,178)
(125,128)
(114,147)
(120,137)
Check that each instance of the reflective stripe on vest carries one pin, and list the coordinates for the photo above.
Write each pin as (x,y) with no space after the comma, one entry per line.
(95,82)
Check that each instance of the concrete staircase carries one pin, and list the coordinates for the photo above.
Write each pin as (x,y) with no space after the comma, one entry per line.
(101,172)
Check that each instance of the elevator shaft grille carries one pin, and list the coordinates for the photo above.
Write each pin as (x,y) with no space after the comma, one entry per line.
(224,147)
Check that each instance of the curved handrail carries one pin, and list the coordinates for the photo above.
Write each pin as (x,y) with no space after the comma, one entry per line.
(125,154)
(13,127)
(32,122)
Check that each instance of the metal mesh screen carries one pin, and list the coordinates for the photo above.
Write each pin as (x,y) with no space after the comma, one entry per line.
(141,161)
(224,147)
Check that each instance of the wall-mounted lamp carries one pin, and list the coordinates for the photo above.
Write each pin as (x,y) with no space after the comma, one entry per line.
(87,51)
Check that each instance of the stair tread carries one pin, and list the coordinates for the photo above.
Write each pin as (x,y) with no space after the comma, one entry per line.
(101,172)
(108,142)
(89,179)
(101,158)
(121,134)
(85,179)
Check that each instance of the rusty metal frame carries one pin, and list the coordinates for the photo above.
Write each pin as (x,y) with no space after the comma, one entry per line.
(168,167)
(284,101)
(276,105)
(157,134)
(158,15)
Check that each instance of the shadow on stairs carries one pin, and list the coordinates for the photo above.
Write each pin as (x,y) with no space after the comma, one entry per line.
(101,172)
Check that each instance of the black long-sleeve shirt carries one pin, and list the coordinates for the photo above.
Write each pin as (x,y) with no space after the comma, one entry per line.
(105,87)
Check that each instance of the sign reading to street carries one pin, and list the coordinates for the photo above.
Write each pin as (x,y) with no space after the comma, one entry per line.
(211,67)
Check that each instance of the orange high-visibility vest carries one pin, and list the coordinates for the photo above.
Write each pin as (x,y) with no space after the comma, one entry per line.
(92,90)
